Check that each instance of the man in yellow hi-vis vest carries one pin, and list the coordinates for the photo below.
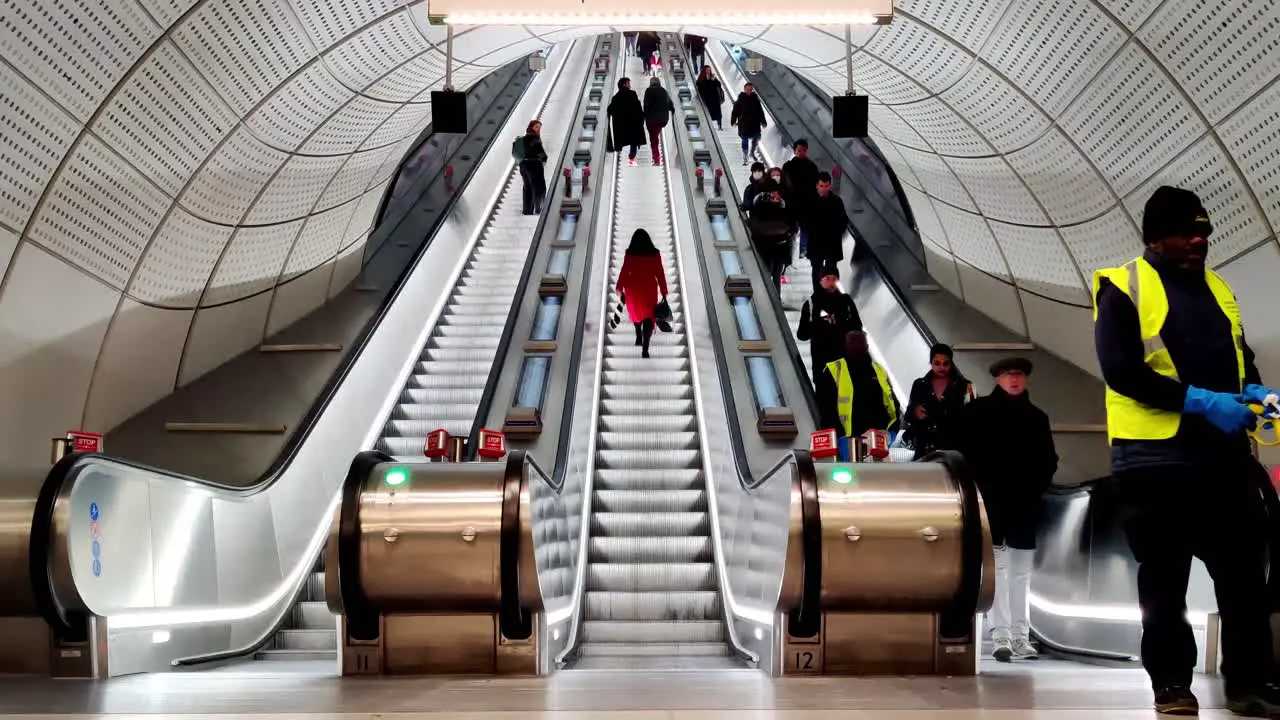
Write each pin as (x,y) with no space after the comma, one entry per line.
(854,394)
(1178,374)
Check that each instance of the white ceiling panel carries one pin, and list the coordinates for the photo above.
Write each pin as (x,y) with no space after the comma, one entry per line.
(1252,136)
(891,86)
(295,189)
(1062,178)
(298,107)
(327,22)
(947,132)
(1107,241)
(35,134)
(968,23)
(892,126)
(176,266)
(815,46)
(407,122)
(225,187)
(252,262)
(1040,261)
(376,52)
(409,80)
(349,127)
(476,43)
(934,61)
(971,240)
(1131,12)
(319,240)
(937,178)
(353,178)
(999,193)
(1005,117)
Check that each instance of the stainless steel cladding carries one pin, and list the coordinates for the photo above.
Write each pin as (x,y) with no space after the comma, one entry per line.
(893,538)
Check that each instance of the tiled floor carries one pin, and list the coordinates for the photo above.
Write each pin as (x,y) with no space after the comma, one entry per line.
(1044,690)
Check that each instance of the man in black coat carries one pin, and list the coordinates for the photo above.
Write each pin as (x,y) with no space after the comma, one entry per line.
(626,120)
(658,110)
(748,117)
(697,46)
(1008,444)
(825,222)
(802,178)
(826,318)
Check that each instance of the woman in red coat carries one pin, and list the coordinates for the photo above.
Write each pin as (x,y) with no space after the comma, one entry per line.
(640,281)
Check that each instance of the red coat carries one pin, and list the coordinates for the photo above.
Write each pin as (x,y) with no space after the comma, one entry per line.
(644,280)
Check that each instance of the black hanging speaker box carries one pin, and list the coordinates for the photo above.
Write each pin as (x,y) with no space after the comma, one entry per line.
(449,112)
(849,116)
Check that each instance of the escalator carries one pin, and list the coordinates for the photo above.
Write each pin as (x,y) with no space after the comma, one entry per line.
(227,571)
(652,599)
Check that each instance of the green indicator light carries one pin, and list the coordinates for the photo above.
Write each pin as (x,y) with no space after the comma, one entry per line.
(397,477)
(842,476)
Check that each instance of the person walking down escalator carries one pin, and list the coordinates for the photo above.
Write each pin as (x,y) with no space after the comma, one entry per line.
(1178,371)
(658,109)
(647,44)
(825,222)
(854,395)
(711,92)
(533,169)
(802,178)
(626,120)
(772,226)
(826,318)
(697,47)
(642,281)
(1008,446)
(936,399)
(759,178)
(748,116)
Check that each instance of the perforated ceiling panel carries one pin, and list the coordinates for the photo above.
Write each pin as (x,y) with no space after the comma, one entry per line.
(190,153)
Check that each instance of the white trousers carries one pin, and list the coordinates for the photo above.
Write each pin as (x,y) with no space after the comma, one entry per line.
(1008,616)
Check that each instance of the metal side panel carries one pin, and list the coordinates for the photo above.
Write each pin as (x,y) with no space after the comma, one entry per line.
(180,568)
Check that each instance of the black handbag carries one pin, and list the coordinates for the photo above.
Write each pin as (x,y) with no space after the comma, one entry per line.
(662,316)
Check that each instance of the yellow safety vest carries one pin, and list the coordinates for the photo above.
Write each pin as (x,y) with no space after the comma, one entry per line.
(839,370)
(1128,419)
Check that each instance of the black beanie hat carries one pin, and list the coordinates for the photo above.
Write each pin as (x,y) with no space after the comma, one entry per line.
(1174,211)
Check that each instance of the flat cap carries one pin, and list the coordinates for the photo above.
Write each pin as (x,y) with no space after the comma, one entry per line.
(1019,364)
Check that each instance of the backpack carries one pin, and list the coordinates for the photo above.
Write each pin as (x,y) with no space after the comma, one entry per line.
(517,148)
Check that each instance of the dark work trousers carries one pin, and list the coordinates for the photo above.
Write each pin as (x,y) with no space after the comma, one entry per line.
(1215,513)
(535,186)
(697,59)
(644,333)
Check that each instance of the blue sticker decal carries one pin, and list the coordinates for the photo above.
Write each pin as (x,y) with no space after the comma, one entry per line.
(97,567)
(93,511)
(97,549)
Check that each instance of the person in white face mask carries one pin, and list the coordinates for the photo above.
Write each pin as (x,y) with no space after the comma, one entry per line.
(758,180)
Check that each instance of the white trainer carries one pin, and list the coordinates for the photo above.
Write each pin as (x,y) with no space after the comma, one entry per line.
(1023,648)
(1003,650)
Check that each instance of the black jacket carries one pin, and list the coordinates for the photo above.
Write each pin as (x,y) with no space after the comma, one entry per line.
(533,149)
(711,91)
(696,44)
(748,115)
(626,120)
(826,221)
(934,431)
(824,321)
(1198,336)
(802,178)
(869,412)
(1008,445)
(772,222)
(658,106)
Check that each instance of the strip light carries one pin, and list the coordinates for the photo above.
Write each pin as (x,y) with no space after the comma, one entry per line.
(1111,613)
(613,19)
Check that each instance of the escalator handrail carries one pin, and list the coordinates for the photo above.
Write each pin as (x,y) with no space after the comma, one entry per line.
(522,287)
(888,279)
(60,473)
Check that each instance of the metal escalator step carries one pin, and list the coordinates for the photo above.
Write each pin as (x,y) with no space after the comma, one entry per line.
(640,501)
(419,428)
(645,649)
(657,376)
(644,406)
(651,577)
(632,479)
(671,365)
(615,524)
(313,615)
(279,654)
(611,605)
(660,442)
(650,391)
(611,631)
(315,587)
(460,355)
(422,400)
(650,549)
(462,342)
(307,640)
(648,423)
(659,347)
(641,460)
(415,447)
(472,369)
(421,383)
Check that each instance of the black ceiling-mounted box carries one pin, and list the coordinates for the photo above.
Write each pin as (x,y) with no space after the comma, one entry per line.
(449,112)
(849,116)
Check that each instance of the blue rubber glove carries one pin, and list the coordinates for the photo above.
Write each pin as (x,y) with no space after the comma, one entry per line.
(1258,393)
(1224,410)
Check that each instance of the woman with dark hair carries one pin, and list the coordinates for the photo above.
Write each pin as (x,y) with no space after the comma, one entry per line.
(641,281)
(935,400)
(533,169)
(711,92)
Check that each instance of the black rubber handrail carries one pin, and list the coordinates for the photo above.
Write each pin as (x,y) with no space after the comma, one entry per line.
(362,619)
(957,620)
(526,274)
(806,620)
(514,621)
(358,346)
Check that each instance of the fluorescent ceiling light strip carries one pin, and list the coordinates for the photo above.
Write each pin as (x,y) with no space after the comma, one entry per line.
(780,18)
(1112,613)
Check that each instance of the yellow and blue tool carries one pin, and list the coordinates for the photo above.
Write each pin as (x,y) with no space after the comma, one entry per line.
(1267,433)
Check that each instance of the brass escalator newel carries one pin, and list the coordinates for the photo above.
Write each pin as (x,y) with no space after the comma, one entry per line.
(391,535)
(929,533)
(469,534)
(853,533)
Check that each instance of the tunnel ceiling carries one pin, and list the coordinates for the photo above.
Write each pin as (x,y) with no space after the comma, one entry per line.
(181,178)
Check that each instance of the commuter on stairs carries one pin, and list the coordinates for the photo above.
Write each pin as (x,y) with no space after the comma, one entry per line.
(533,170)
(1178,372)
(854,394)
(936,400)
(748,117)
(711,92)
(642,281)
(826,318)
(1008,446)
(631,38)
(802,178)
(697,46)
(772,226)
(626,120)
(825,221)
(646,45)
(658,109)
(754,187)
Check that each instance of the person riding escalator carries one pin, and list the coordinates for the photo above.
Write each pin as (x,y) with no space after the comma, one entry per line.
(854,394)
